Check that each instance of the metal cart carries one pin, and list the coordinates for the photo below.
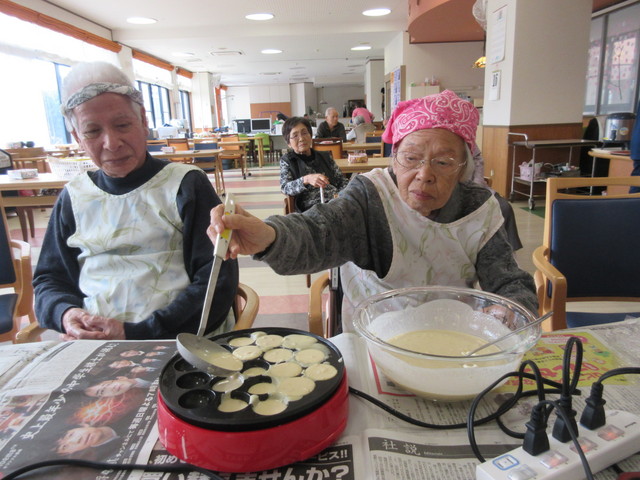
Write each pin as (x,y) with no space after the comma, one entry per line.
(534,185)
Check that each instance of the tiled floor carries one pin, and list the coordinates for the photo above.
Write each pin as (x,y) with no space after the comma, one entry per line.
(284,300)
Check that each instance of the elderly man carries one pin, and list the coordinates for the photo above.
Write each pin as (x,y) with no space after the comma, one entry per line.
(418,222)
(331,127)
(125,255)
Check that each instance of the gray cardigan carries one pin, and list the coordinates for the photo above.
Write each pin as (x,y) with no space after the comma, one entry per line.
(354,228)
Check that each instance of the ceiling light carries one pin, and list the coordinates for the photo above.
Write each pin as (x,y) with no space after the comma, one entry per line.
(361,47)
(270,51)
(183,54)
(377,12)
(259,16)
(141,20)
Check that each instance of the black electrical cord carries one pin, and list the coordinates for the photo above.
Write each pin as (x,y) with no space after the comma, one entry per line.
(501,410)
(520,374)
(593,415)
(572,433)
(71,462)
(569,385)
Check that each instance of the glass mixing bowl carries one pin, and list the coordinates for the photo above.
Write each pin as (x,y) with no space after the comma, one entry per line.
(439,326)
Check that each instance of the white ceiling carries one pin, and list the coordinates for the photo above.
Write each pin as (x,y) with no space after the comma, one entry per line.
(315,36)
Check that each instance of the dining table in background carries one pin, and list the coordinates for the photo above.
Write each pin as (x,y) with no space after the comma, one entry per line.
(194,154)
(347,167)
(353,147)
(620,165)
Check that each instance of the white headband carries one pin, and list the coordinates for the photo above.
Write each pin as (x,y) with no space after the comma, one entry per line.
(94,89)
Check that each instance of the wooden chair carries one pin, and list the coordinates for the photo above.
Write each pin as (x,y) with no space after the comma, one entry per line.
(290,207)
(211,164)
(245,309)
(17,160)
(279,146)
(16,275)
(378,151)
(266,144)
(589,250)
(180,144)
(236,152)
(325,321)
(332,145)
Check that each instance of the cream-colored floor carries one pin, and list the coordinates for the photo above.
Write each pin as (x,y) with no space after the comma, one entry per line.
(284,299)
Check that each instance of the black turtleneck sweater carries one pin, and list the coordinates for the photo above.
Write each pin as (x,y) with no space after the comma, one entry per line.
(57,275)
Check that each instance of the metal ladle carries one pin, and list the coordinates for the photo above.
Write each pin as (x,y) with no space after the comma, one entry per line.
(537,321)
(201,352)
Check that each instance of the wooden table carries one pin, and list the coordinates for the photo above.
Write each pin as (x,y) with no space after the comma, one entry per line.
(619,166)
(42,181)
(214,152)
(350,147)
(373,162)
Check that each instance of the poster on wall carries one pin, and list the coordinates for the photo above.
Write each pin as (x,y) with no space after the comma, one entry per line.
(396,87)
(498,39)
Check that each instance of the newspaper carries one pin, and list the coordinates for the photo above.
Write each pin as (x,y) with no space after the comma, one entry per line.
(40,402)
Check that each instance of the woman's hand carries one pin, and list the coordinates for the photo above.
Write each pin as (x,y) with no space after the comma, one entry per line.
(250,234)
(80,324)
(317,180)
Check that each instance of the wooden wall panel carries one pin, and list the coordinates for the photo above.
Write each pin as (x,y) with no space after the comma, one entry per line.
(498,156)
(264,110)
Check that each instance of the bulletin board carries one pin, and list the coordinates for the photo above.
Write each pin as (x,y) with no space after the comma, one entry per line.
(398,88)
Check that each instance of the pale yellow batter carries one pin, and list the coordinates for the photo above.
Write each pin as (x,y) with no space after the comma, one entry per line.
(440,342)
(229,404)
(269,407)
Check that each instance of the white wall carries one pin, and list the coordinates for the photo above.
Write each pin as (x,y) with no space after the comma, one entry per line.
(373,83)
(298,102)
(238,103)
(203,101)
(337,97)
(450,63)
(542,75)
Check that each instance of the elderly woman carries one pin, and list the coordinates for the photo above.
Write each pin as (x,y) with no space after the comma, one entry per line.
(360,129)
(416,223)
(125,255)
(303,170)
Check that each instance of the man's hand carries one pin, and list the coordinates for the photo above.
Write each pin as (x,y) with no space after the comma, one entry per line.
(80,324)
(250,234)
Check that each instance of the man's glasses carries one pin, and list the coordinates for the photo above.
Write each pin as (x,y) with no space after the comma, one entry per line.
(439,165)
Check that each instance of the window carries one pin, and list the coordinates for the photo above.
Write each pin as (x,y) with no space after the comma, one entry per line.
(612,76)
(156,103)
(31,102)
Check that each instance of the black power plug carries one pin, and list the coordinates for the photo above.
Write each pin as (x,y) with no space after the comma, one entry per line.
(536,440)
(593,415)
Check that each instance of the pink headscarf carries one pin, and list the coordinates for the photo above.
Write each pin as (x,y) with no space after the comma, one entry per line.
(442,110)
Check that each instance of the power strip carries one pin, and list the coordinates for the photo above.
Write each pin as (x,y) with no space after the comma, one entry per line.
(604,446)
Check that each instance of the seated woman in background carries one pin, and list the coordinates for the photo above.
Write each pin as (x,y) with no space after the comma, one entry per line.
(303,170)
(419,222)
(360,129)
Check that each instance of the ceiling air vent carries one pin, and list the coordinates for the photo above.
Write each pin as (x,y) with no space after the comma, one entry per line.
(226,53)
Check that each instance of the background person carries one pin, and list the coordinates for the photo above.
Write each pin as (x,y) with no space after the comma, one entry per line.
(360,129)
(331,127)
(303,170)
(366,114)
(419,222)
(125,254)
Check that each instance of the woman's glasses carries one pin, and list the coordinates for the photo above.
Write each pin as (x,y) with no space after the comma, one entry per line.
(298,135)
(439,165)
